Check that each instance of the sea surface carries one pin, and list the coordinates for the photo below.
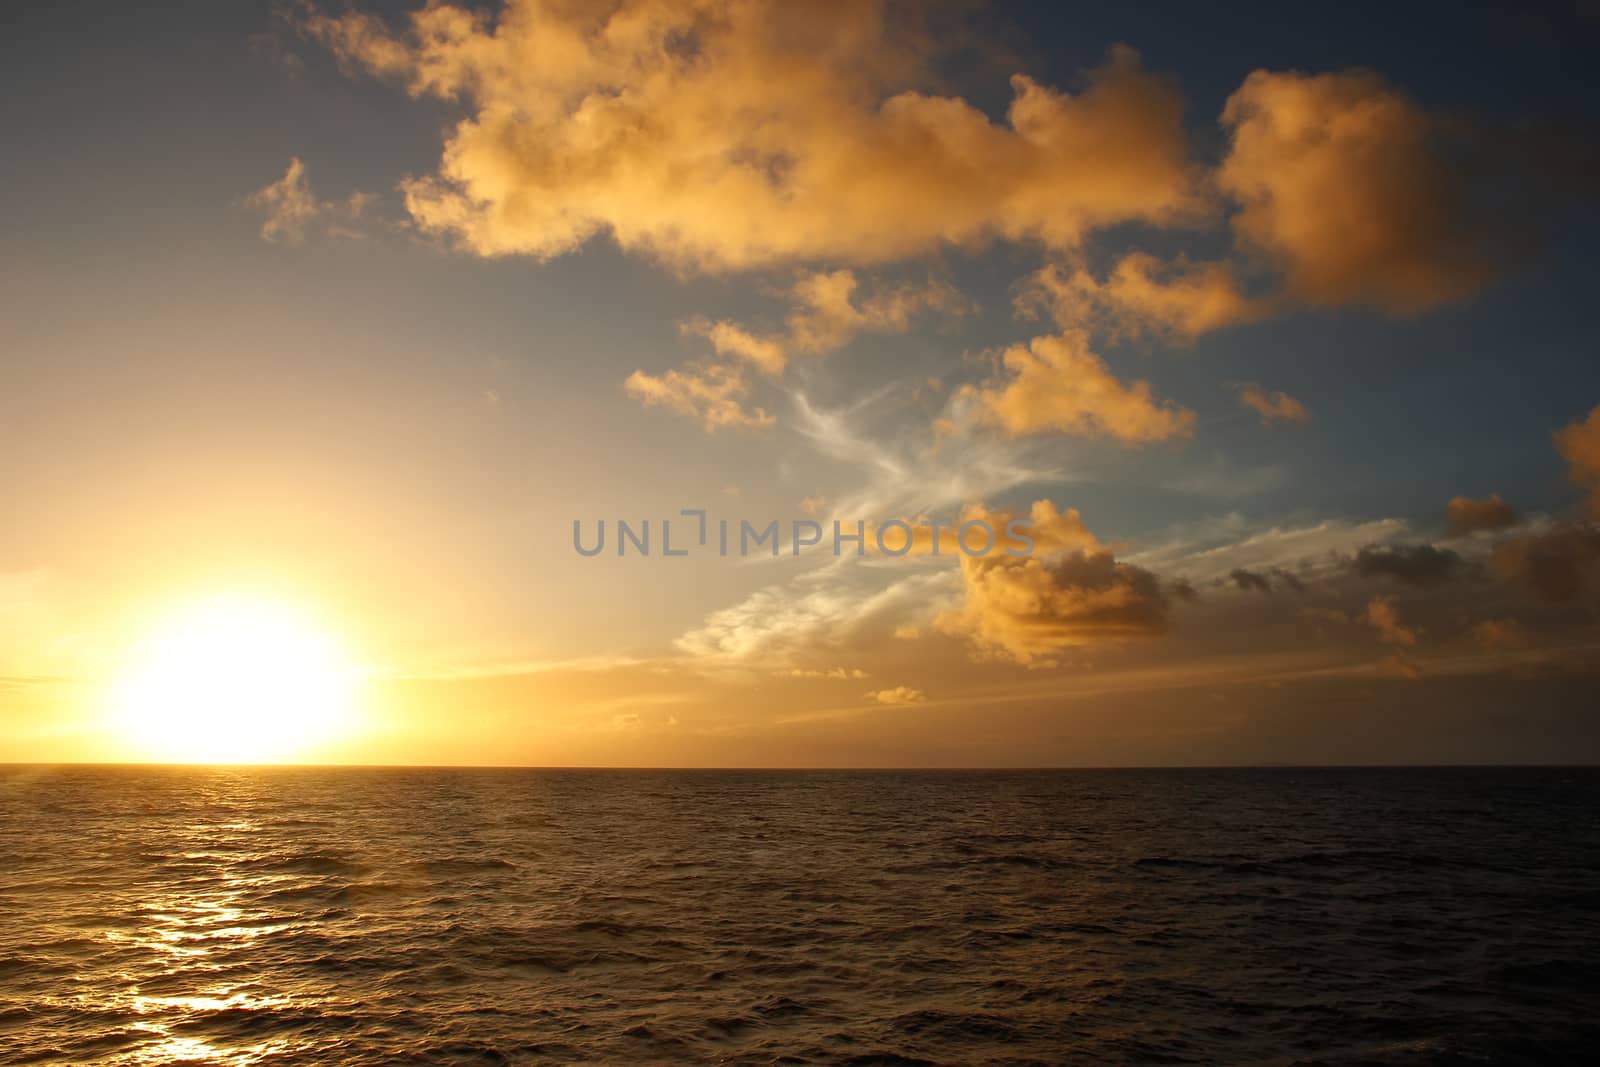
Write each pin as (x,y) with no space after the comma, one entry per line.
(355,916)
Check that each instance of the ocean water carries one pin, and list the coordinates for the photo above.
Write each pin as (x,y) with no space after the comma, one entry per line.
(322,917)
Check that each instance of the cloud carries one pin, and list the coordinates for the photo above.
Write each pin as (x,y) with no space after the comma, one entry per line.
(780,627)
(1385,619)
(710,392)
(1056,384)
(1274,406)
(292,210)
(1356,193)
(1466,515)
(1498,634)
(1028,610)
(731,339)
(1398,667)
(724,135)
(1419,565)
(1557,564)
(1142,296)
(900,694)
(1579,445)
(1070,592)
(1249,581)
(826,314)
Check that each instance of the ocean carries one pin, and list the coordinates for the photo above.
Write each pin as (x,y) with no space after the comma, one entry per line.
(399,916)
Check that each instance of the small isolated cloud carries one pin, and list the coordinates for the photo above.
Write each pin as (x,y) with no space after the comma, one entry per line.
(1499,634)
(900,694)
(1384,618)
(710,392)
(1273,407)
(827,673)
(293,211)
(1399,667)
(1419,565)
(1579,445)
(1055,384)
(1467,516)
(731,339)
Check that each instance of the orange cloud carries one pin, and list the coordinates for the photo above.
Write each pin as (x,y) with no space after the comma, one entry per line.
(1143,295)
(1497,634)
(1056,384)
(292,210)
(1069,592)
(1466,515)
(1273,407)
(723,135)
(1579,445)
(1385,619)
(900,694)
(1342,182)
(710,392)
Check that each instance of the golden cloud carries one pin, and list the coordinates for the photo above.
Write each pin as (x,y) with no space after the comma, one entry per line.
(725,135)
(1579,445)
(1056,384)
(710,392)
(1383,617)
(900,694)
(1070,592)
(1276,406)
(1143,295)
(1344,183)
(1466,515)
(292,209)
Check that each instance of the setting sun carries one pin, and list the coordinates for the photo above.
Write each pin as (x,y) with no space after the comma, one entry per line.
(234,680)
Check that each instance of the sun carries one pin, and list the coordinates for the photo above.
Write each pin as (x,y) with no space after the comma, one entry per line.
(234,680)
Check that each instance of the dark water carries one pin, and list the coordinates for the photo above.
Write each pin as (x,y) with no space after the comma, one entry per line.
(156,916)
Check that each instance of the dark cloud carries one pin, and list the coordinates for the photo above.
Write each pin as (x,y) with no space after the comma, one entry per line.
(1262,581)
(1558,564)
(1419,565)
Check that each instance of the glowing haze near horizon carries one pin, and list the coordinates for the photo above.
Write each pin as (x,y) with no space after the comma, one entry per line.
(323,323)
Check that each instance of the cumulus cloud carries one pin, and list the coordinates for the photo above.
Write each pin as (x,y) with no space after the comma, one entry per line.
(1057,384)
(1557,564)
(1579,445)
(711,392)
(1356,193)
(900,694)
(1029,610)
(1467,516)
(1383,617)
(1142,296)
(1272,406)
(1419,565)
(293,211)
(731,135)
(1069,592)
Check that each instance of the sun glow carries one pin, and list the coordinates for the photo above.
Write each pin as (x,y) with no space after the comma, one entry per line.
(234,680)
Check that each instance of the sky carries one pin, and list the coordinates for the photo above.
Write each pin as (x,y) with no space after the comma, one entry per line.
(1280,331)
